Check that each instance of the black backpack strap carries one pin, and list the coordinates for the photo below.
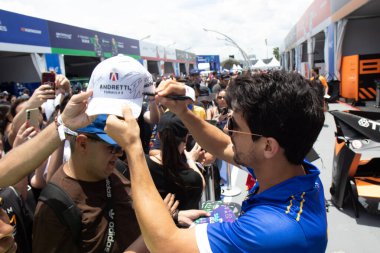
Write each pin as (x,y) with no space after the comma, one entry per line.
(64,207)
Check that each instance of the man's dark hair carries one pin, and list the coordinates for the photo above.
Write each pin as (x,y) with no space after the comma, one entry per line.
(281,105)
(26,91)
(316,70)
(5,108)
(16,103)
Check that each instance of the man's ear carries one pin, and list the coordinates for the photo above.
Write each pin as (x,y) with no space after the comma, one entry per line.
(81,141)
(272,147)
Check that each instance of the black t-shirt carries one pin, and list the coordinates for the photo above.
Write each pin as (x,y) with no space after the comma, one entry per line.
(188,196)
(20,218)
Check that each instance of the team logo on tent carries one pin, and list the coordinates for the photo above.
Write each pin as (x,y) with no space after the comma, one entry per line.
(114,76)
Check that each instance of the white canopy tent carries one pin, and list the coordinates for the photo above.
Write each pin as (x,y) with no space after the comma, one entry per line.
(259,65)
(273,63)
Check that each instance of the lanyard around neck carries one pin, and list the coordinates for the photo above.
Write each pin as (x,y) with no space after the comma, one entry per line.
(110,234)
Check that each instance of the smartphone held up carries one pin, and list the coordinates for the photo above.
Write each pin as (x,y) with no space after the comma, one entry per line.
(32,118)
(48,78)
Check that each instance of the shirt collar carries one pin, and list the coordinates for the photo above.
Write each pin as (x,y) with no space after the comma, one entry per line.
(282,191)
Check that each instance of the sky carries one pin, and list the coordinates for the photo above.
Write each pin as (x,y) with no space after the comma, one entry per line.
(178,23)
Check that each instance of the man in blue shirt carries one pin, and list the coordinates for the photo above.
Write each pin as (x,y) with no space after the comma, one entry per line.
(275,121)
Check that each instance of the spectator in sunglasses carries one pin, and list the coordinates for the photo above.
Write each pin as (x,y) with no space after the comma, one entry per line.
(220,111)
(86,178)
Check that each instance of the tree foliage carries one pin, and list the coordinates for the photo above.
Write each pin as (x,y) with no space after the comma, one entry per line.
(276,53)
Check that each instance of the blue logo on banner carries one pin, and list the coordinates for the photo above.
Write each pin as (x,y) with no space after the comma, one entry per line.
(52,63)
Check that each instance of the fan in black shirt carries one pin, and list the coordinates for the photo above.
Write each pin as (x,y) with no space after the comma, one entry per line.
(174,170)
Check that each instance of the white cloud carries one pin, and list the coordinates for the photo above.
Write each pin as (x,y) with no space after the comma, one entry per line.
(247,22)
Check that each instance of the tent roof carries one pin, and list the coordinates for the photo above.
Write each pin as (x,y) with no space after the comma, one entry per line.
(260,65)
(273,63)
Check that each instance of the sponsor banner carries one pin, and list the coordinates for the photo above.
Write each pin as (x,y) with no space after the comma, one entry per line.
(170,54)
(152,51)
(80,41)
(317,12)
(212,60)
(21,29)
(291,38)
(185,56)
(157,52)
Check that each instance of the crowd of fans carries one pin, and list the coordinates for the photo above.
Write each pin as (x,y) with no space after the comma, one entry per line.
(137,184)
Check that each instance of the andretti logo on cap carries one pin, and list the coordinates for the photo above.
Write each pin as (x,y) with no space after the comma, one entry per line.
(114,76)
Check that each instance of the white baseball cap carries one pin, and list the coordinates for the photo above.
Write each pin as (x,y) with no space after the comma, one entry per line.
(116,82)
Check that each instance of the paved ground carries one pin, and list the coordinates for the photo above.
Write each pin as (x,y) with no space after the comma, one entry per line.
(346,233)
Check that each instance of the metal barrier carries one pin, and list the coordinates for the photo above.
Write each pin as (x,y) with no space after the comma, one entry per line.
(209,192)
(230,190)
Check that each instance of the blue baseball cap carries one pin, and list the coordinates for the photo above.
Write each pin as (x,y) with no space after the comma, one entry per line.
(97,128)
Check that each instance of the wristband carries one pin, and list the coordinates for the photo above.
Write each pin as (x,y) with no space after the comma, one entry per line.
(62,129)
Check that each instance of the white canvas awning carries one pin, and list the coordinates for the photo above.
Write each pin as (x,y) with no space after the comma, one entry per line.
(260,65)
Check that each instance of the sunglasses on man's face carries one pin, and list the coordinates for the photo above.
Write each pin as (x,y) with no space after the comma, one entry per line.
(113,149)
(230,128)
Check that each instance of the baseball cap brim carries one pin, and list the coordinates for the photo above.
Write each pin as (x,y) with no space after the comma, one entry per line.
(107,139)
(114,106)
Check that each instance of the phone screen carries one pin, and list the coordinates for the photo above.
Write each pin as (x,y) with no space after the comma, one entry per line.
(190,143)
(32,118)
(48,78)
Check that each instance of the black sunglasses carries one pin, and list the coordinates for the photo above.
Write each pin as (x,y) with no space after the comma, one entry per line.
(230,128)
(113,149)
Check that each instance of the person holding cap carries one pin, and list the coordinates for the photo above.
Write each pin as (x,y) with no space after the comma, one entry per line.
(98,190)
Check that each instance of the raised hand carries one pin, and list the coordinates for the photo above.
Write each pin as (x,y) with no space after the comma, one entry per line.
(124,131)
(74,116)
(40,95)
(62,84)
(24,133)
(171,87)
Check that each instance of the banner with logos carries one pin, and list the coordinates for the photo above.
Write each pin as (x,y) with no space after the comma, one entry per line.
(21,29)
(150,51)
(71,40)
(184,56)
(212,60)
